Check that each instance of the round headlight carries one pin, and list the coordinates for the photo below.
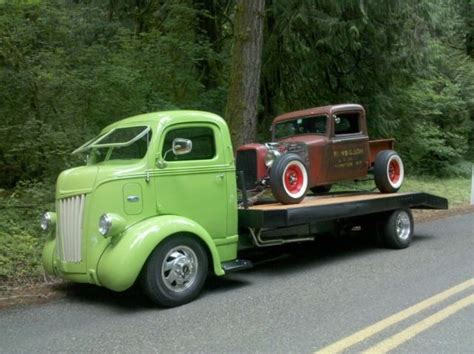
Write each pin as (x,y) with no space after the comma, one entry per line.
(46,222)
(105,224)
(270,158)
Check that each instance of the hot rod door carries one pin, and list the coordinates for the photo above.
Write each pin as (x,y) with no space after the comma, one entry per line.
(348,148)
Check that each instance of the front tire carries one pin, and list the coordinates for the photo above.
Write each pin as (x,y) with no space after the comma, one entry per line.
(175,272)
(289,179)
(389,172)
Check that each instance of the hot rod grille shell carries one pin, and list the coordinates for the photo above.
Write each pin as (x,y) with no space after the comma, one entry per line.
(69,228)
(246,161)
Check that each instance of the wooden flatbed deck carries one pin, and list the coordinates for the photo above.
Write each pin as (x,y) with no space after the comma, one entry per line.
(334,206)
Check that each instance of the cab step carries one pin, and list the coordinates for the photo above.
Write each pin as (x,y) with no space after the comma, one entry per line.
(236,265)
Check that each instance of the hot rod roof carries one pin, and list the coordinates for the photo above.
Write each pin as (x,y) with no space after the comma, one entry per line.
(324,110)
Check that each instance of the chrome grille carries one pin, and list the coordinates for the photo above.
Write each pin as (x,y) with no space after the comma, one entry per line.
(69,228)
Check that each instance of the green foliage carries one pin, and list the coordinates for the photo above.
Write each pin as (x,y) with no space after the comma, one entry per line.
(68,69)
(20,256)
(21,240)
(405,62)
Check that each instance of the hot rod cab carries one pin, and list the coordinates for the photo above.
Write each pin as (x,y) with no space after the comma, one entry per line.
(316,147)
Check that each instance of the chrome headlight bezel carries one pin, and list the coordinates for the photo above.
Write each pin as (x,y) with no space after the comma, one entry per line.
(47,221)
(111,224)
(270,157)
(105,224)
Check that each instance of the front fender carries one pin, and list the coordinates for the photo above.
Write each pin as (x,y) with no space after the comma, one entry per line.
(47,256)
(126,254)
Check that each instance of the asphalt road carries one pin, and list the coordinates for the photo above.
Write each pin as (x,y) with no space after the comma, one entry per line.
(310,298)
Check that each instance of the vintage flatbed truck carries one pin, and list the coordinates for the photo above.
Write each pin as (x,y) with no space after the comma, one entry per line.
(157,203)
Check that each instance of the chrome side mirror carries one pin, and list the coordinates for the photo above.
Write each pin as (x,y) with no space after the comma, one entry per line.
(182,146)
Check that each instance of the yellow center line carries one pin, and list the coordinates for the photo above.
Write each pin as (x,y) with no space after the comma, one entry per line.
(408,333)
(371,330)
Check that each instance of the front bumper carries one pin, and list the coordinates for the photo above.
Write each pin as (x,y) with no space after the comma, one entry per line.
(68,271)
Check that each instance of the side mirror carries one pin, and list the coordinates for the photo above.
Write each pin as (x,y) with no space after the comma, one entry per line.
(337,120)
(182,146)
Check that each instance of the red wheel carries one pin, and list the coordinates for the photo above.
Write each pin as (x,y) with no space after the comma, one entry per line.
(388,171)
(394,170)
(289,179)
(294,178)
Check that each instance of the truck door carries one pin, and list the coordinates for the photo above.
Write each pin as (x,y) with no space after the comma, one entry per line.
(193,185)
(349,147)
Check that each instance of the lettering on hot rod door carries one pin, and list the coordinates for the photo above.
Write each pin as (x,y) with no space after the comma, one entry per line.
(348,148)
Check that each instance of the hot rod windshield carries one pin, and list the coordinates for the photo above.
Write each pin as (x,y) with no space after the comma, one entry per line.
(118,144)
(303,125)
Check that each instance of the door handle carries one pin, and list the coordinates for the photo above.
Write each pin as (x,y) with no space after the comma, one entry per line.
(220,176)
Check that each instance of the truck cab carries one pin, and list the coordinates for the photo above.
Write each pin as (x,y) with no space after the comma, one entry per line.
(147,178)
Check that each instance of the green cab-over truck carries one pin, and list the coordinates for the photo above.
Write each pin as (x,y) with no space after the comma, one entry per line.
(158,203)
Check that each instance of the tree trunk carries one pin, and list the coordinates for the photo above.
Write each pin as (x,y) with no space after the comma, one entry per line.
(241,108)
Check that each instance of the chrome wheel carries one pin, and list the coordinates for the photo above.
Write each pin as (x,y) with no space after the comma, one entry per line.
(403,225)
(179,268)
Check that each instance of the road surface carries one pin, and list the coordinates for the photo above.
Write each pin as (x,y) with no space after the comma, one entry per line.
(333,295)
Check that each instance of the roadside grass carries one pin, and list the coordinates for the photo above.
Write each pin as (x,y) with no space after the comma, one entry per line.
(21,240)
(456,189)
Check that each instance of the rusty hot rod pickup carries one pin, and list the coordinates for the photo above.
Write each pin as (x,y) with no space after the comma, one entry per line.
(315,148)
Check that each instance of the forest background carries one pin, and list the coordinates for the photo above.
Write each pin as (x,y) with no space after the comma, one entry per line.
(70,67)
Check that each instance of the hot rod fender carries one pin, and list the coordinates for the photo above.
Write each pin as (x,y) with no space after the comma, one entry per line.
(125,256)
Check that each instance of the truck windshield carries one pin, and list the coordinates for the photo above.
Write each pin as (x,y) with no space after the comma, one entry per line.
(118,144)
(303,125)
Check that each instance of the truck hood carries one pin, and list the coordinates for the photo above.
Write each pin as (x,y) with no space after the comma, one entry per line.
(79,180)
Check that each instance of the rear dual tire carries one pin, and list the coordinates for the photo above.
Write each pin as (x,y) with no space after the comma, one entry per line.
(392,229)
(397,229)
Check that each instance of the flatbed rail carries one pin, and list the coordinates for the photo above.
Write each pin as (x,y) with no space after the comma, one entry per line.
(334,206)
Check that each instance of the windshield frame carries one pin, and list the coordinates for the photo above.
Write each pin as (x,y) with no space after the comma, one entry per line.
(94,143)
(295,119)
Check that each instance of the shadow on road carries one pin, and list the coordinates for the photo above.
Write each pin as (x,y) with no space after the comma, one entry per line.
(279,260)
(133,299)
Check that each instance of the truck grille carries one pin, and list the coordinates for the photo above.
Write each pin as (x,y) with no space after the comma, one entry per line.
(69,228)
(246,161)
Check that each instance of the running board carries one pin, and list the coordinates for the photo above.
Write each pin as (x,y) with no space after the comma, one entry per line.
(236,265)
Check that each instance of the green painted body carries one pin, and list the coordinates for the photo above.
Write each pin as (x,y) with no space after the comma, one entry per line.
(198,198)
